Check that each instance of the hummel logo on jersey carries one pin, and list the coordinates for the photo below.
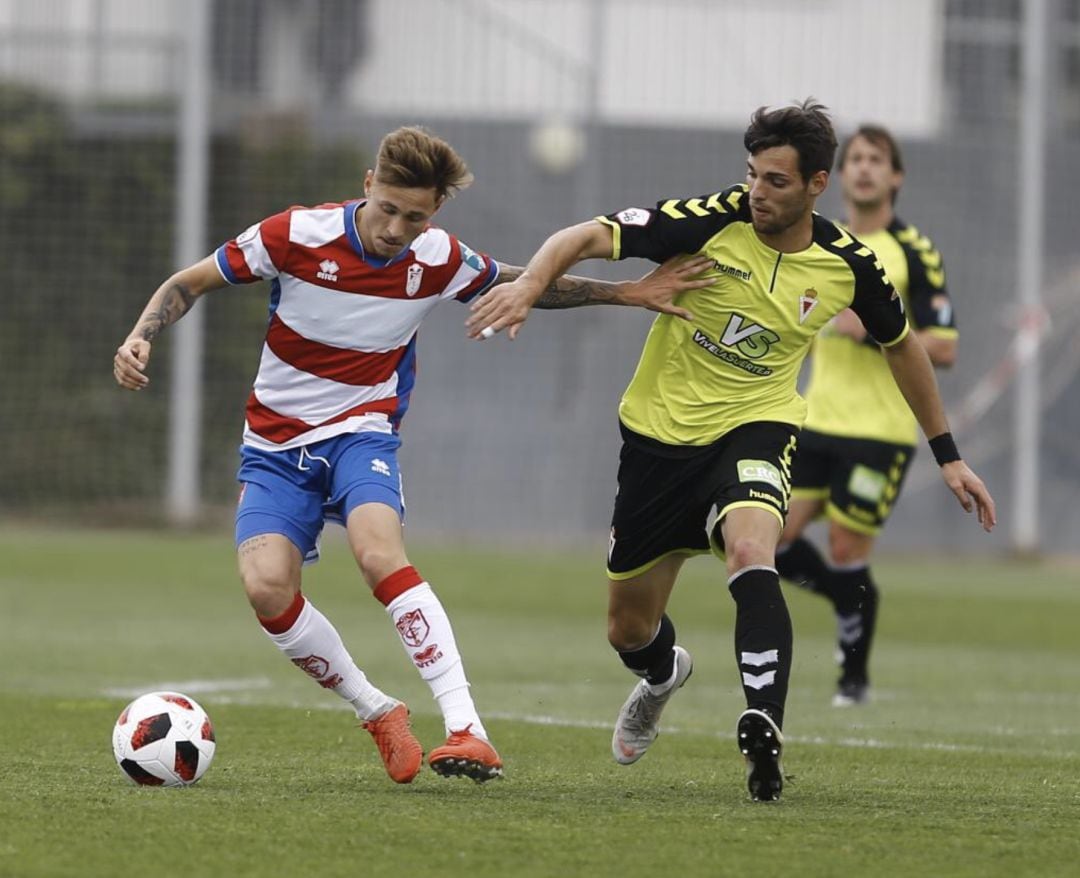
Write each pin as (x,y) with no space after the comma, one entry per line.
(731,271)
(328,270)
(413,277)
(380,467)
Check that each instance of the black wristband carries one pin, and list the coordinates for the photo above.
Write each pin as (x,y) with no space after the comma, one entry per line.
(944,449)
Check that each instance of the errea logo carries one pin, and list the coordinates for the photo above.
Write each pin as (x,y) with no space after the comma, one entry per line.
(328,270)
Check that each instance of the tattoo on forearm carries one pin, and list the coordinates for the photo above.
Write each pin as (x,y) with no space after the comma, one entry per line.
(567,291)
(572,292)
(176,302)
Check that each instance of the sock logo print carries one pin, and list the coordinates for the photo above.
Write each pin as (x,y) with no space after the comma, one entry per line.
(427,656)
(316,667)
(413,627)
(759,660)
(849,629)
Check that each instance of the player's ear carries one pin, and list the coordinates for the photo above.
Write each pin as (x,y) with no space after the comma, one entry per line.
(818,181)
(369,178)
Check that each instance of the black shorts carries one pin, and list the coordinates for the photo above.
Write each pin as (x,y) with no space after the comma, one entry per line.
(859,479)
(671,498)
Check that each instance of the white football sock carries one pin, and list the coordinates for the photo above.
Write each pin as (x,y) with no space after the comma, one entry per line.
(315,647)
(426,634)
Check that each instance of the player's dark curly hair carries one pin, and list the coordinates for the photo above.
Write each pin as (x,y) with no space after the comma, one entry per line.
(414,158)
(806,127)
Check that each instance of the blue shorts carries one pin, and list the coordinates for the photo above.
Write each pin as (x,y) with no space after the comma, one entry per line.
(294,492)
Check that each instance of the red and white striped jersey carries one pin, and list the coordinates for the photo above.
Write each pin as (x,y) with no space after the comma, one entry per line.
(340,349)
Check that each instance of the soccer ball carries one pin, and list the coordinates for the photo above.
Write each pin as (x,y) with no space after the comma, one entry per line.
(163,739)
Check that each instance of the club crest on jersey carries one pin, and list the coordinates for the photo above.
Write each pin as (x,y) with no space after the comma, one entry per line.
(328,270)
(413,278)
(807,303)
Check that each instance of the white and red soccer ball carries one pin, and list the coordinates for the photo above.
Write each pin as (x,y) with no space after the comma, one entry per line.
(163,739)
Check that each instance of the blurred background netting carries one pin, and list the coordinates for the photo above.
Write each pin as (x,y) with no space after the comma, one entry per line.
(564,109)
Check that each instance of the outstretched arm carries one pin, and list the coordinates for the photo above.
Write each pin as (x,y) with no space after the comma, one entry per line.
(541,284)
(171,301)
(653,291)
(914,376)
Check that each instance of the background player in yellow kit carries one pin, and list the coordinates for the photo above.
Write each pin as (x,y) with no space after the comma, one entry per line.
(860,435)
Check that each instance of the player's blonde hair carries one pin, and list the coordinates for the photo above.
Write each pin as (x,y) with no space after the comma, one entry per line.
(414,158)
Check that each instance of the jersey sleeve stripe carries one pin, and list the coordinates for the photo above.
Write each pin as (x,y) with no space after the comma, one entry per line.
(616,237)
(222,260)
(903,334)
(481,282)
(325,361)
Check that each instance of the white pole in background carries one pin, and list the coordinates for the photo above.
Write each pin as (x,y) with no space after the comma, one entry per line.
(185,394)
(1035,52)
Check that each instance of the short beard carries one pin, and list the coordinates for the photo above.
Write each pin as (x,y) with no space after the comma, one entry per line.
(774,228)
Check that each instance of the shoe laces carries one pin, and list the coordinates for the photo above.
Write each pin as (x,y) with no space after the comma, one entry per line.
(642,710)
(459,735)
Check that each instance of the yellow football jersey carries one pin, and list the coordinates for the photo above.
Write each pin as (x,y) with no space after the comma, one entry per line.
(738,361)
(851,391)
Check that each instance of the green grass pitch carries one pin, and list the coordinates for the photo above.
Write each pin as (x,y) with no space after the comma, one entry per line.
(966,764)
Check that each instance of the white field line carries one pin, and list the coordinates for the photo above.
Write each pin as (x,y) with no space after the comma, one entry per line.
(215,688)
(191,687)
(847,741)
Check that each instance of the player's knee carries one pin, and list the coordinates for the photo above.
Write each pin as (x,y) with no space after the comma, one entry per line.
(747,551)
(269,597)
(845,549)
(376,562)
(269,589)
(629,632)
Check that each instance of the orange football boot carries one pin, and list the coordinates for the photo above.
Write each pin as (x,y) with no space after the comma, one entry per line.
(400,751)
(466,755)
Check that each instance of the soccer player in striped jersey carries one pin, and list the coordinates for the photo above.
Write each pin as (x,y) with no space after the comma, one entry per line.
(859,437)
(711,418)
(350,284)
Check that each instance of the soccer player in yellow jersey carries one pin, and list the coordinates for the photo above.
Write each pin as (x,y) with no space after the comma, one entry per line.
(712,415)
(859,435)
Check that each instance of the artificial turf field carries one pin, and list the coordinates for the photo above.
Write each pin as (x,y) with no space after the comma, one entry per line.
(966,763)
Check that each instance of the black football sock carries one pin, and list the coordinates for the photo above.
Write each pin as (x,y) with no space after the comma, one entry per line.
(656,660)
(801,563)
(856,600)
(763,639)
